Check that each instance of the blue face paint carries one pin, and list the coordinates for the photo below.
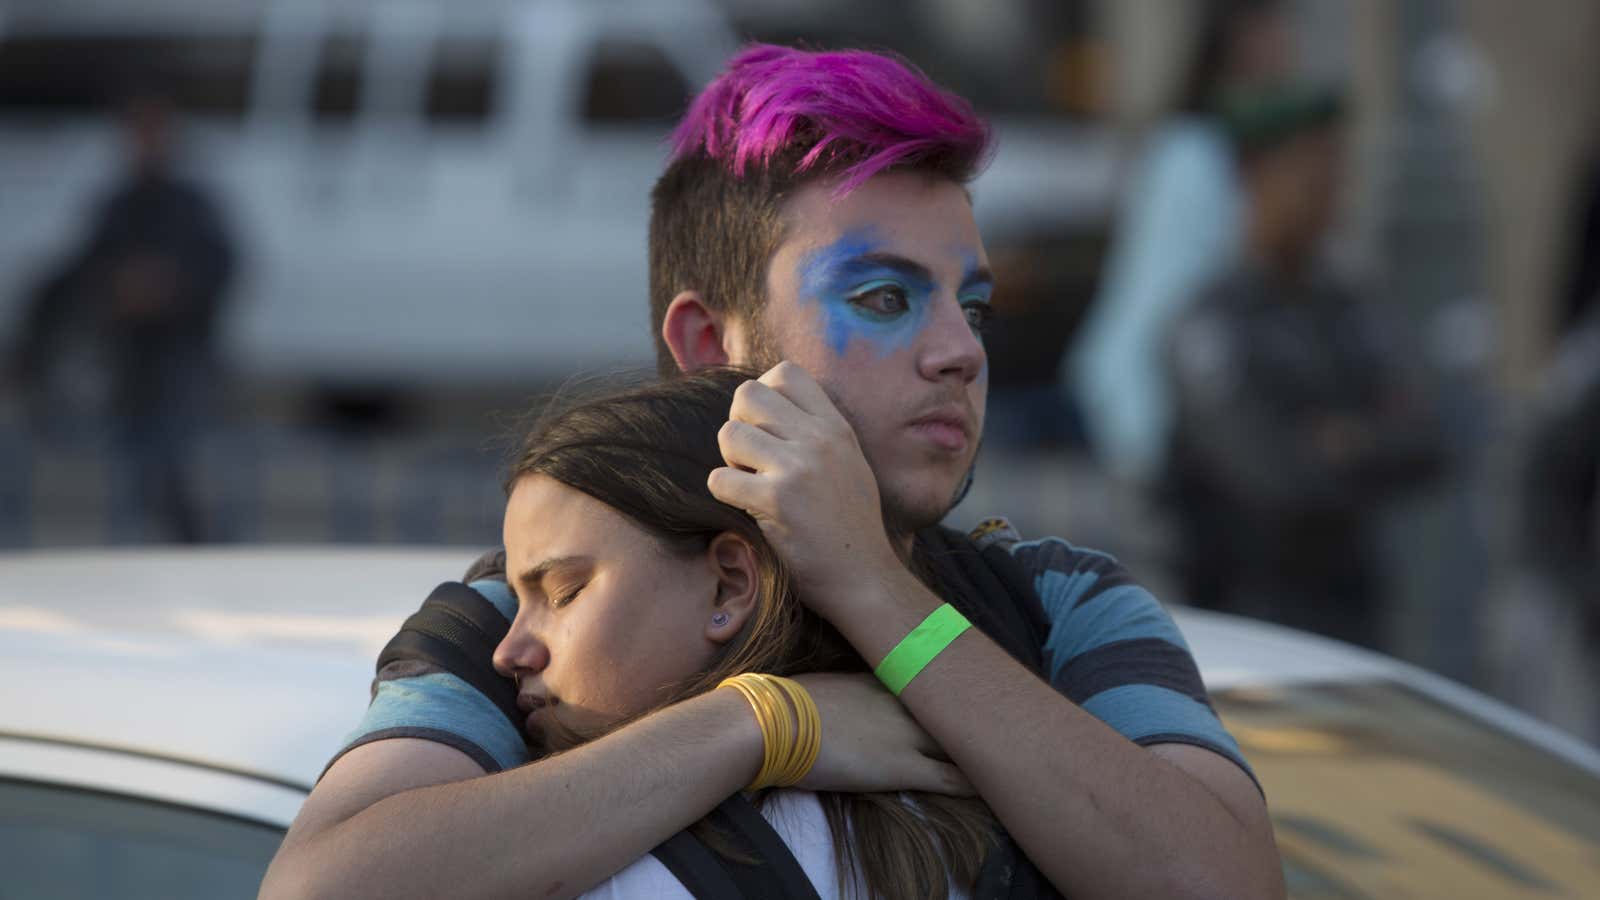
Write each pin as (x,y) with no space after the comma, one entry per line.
(863,293)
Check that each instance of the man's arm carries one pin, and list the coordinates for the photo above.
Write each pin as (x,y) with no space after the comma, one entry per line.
(1099,815)
(417,818)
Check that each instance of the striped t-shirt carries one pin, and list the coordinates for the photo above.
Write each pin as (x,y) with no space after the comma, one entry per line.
(1111,648)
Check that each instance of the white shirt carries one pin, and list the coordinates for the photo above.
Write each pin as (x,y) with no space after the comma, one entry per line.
(798,819)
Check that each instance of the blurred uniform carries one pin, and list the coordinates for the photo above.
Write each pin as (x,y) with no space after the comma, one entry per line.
(150,280)
(1560,534)
(1543,638)
(1295,424)
(1295,416)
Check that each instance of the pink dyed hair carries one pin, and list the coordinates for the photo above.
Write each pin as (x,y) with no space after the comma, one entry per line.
(853,113)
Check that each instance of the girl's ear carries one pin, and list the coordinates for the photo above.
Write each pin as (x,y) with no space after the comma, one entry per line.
(734,563)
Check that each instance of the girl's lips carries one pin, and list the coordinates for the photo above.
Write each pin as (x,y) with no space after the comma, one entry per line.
(533,705)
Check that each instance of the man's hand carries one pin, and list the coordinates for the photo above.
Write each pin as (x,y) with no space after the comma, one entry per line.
(870,742)
(794,464)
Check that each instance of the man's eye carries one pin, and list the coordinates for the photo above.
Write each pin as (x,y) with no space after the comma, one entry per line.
(562,598)
(979,316)
(882,300)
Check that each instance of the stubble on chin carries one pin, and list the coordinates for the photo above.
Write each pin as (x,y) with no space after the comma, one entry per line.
(903,517)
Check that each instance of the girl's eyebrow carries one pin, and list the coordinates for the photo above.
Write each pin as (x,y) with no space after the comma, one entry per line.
(533,575)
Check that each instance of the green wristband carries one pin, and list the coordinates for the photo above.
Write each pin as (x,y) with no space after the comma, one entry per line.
(917,649)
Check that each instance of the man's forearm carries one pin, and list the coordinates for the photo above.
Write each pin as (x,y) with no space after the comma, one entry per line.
(1099,816)
(549,829)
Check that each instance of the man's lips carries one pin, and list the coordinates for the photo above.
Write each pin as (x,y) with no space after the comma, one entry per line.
(947,428)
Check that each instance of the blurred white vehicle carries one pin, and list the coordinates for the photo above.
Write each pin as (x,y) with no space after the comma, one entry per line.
(164,713)
(423,192)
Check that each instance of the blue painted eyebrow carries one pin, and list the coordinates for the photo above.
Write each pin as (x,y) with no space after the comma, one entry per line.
(909,269)
(867,262)
(980,277)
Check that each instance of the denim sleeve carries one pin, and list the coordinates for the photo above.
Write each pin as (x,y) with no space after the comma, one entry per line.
(412,700)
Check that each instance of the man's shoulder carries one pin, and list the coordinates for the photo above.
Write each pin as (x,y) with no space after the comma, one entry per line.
(491,566)
(436,679)
(1043,554)
(1072,579)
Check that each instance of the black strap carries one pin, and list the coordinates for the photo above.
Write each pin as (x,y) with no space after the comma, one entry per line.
(696,868)
(1008,875)
(774,875)
(776,869)
(457,630)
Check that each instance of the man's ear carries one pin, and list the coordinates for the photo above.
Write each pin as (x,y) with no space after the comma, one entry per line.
(696,334)
(734,563)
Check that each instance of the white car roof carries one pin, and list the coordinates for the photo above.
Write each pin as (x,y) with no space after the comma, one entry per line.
(246,660)
(260,661)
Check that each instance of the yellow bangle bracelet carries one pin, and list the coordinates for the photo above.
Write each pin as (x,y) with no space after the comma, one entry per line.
(773,725)
(791,727)
(757,700)
(808,734)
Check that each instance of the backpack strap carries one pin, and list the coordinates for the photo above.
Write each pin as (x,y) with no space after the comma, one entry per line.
(698,869)
(775,873)
(457,630)
(1006,874)
(780,875)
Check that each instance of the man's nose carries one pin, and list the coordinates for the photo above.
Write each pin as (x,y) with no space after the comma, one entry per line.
(521,651)
(950,346)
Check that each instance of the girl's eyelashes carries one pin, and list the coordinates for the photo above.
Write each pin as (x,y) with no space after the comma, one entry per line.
(881,299)
(561,599)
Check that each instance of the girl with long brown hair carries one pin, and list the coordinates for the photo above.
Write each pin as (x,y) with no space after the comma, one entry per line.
(637,589)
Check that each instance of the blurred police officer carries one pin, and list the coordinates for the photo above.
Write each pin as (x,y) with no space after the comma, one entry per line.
(1296,419)
(149,282)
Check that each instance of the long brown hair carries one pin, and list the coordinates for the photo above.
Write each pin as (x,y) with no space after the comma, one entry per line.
(646,451)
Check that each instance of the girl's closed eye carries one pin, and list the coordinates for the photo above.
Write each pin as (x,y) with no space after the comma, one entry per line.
(564,596)
(881,299)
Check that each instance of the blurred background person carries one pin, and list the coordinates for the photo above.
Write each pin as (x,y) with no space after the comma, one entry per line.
(1178,225)
(1581,293)
(1556,605)
(1297,419)
(150,280)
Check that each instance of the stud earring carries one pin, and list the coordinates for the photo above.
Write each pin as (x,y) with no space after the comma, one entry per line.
(719,619)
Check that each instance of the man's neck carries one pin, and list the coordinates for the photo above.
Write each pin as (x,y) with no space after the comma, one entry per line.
(902,543)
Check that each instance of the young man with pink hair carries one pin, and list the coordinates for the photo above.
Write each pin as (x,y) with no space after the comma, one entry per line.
(815,213)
